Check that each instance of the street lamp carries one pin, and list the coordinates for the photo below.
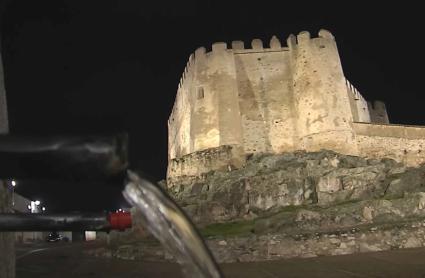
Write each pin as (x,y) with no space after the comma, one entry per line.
(13,182)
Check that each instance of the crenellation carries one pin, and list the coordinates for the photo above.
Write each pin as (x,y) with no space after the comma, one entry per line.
(291,41)
(219,47)
(323,33)
(271,100)
(186,71)
(200,53)
(189,71)
(275,43)
(303,37)
(257,44)
(359,105)
(378,112)
(353,90)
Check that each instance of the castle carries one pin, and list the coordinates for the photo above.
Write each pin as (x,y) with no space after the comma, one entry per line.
(233,102)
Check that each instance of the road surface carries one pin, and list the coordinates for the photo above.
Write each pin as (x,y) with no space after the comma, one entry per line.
(65,260)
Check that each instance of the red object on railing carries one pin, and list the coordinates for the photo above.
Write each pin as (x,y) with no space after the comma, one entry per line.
(120,220)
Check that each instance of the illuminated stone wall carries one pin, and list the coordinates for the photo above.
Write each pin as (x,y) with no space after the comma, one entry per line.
(273,99)
(402,143)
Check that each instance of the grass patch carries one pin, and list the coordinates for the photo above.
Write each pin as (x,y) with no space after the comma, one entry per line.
(390,197)
(241,228)
(228,229)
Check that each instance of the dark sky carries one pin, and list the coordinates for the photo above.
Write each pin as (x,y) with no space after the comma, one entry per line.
(78,67)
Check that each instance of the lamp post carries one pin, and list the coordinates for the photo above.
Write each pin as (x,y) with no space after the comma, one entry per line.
(13,183)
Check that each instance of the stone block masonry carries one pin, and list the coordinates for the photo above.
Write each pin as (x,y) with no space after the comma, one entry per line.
(274,99)
(402,143)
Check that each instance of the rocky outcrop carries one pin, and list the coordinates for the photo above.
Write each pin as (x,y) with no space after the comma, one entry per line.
(272,182)
(305,231)
(300,205)
(282,246)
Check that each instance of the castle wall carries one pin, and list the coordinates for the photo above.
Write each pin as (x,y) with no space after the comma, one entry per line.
(225,157)
(222,80)
(273,99)
(205,114)
(265,98)
(403,143)
(194,122)
(359,106)
(320,94)
(378,112)
(179,137)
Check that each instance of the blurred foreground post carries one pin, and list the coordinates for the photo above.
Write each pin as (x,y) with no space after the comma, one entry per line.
(7,239)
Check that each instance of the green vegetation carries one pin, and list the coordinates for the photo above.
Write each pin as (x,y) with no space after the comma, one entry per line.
(285,217)
(241,228)
(228,229)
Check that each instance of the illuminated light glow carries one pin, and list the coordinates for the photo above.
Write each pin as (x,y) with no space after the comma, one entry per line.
(43,208)
(13,183)
(29,206)
(37,202)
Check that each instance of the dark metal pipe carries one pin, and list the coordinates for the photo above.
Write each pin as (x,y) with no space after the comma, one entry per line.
(63,157)
(54,222)
(65,222)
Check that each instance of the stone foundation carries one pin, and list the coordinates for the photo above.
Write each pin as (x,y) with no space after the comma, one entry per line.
(364,226)
(356,240)
(273,182)
(224,158)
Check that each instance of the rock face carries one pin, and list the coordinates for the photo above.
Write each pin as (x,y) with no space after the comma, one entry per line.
(299,205)
(282,246)
(364,226)
(269,183)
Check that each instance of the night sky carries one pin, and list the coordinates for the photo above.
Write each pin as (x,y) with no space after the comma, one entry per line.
(87,67)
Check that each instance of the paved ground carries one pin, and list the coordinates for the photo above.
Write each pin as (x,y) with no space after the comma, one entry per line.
(67,260)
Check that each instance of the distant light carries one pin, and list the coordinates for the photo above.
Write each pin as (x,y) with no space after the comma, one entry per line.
(43,208)
(13,183)
(29,206)
(37,202)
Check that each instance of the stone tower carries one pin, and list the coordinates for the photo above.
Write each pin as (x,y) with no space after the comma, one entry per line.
(321,100)
(235,101)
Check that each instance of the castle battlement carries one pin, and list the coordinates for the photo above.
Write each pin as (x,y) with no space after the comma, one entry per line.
(267,98)
(257,45)
(238,47)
